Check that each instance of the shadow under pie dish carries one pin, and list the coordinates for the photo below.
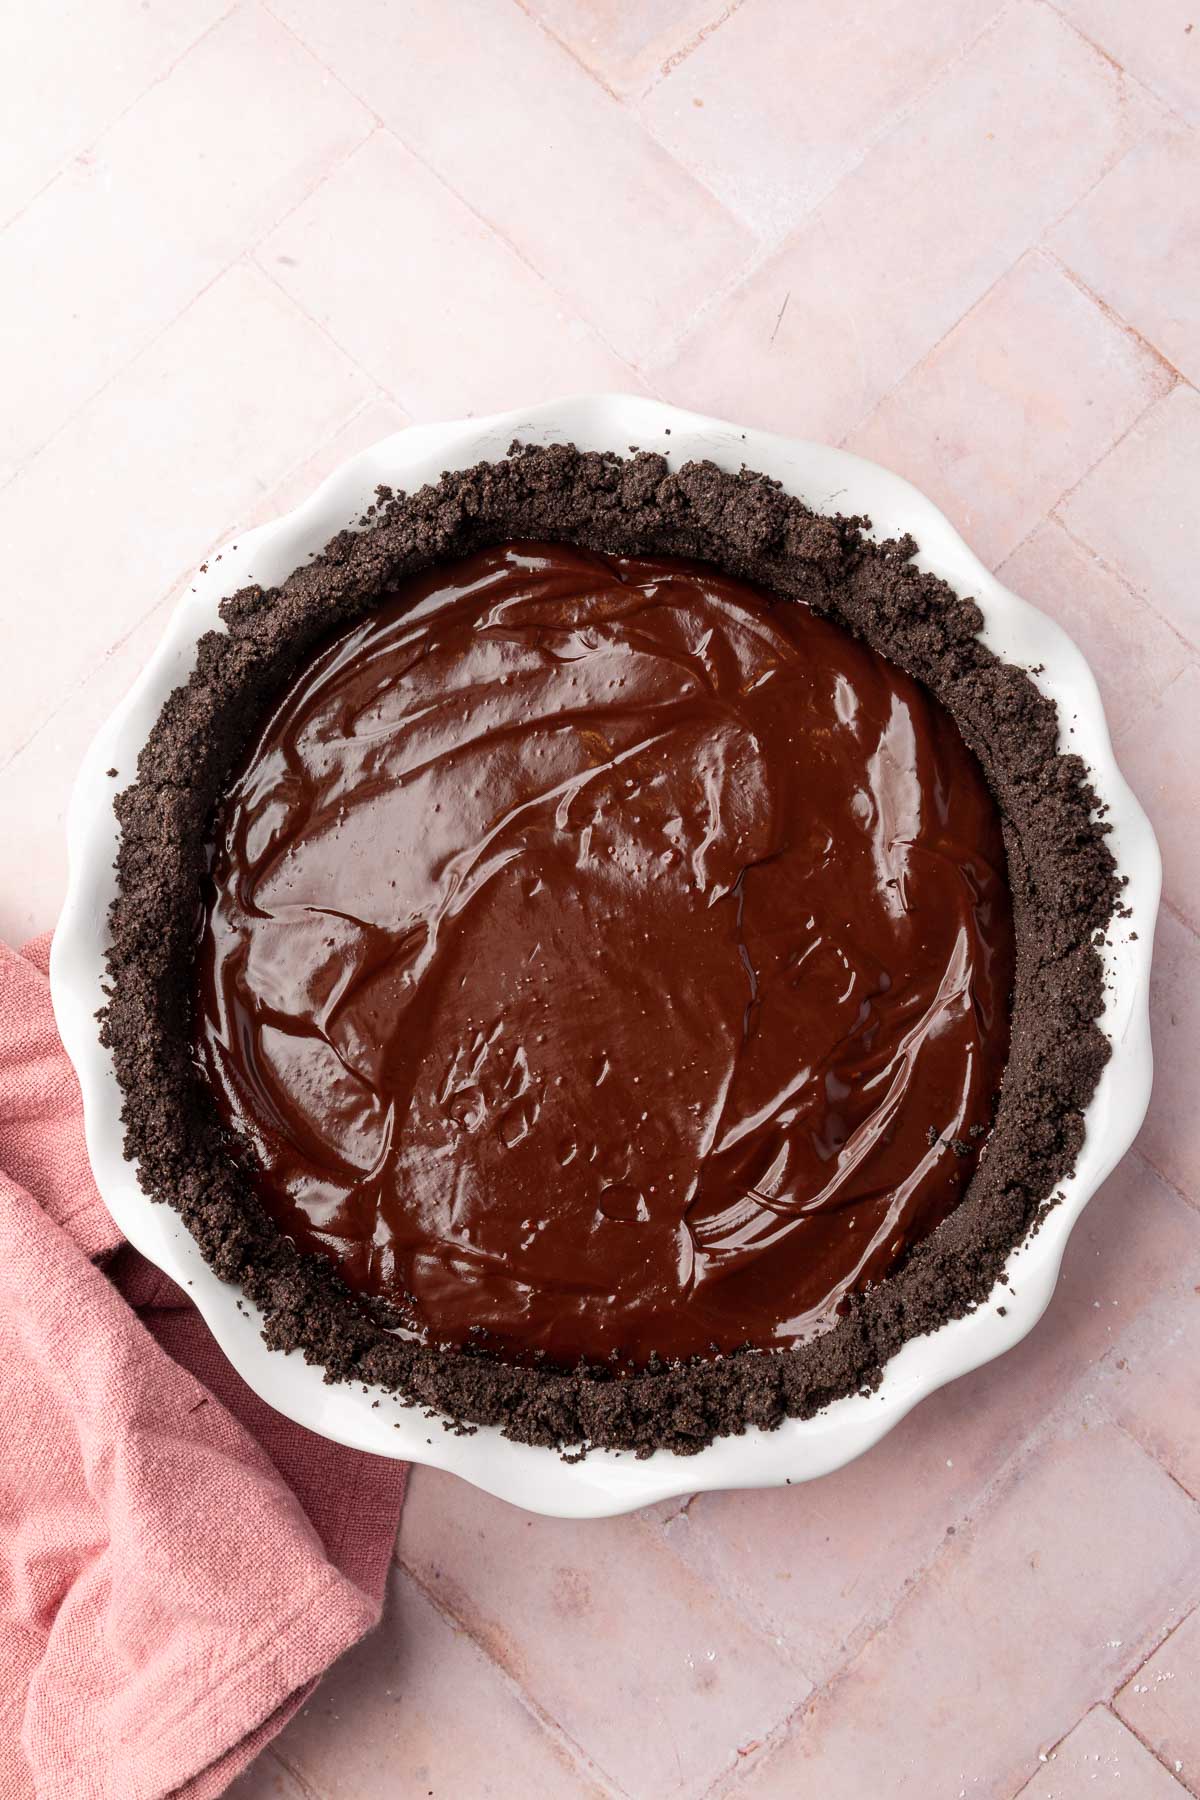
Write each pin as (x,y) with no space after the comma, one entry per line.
(562,959)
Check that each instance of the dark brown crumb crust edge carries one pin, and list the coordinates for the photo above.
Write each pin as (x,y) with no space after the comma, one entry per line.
(1062,875)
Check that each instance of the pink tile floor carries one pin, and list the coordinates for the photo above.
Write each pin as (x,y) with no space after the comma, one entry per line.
(239,241)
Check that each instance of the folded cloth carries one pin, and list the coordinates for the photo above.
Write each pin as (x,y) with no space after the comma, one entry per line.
(178,1563)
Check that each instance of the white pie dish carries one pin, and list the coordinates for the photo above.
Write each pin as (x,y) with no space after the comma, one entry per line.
(605,1482)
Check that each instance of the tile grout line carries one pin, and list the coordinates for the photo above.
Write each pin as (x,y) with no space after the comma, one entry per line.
(1180,1193)
(331,169)
(765,249)
(982,1504)
(1105,1365)
(1052,1749)
(1029,250)
(1175,679)
(570,304)
(652,367)
(237,260)
(656,1529)
(391,393)
(548,31)
(111,124)
(1135,1730)
(1176,1775)
(731,1774)
(1192,1606)
(1111,568)
(1044,1757)
(1034,248)
(308,1791)
(1022,543)
(919,362)
(290,31)
(563,1742)
(686,1502)
(30,461)
(726,1591)
(964,1521)
(1170,905)
(376,381)
(381,125)
(760,258)
(1114,317)
(179,580)
(977,1508)
(1069,492)
(747,271)
(776,248)
(1114,570)
(39,450)
(1114,62)
(903,111)
(1168,1631)
(1191,1499)
(688,48)
(1149,100)
(634,107)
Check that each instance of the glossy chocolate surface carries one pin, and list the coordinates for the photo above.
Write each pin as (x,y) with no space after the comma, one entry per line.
(593,946)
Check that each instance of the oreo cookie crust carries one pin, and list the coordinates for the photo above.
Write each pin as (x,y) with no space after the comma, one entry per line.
(1062,877)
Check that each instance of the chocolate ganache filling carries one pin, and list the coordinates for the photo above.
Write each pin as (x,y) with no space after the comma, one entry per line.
(603,958)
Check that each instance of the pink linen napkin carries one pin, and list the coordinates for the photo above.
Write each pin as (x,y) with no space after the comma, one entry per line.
(178,1563)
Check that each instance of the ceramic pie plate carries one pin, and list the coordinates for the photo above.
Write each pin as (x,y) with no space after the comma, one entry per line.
(605,1482)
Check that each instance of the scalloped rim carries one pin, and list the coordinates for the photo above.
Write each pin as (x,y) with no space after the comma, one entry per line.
(606,1482)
